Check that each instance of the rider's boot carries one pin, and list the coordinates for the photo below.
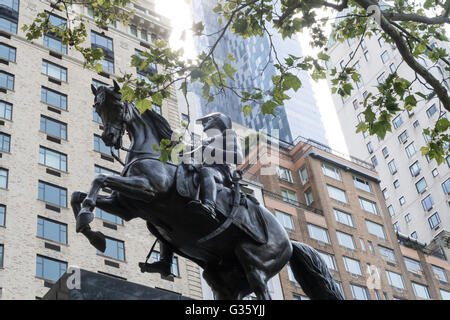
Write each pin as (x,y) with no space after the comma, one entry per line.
(163,266)
(208,208)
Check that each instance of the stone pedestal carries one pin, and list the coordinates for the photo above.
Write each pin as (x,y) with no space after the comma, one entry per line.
(95,286)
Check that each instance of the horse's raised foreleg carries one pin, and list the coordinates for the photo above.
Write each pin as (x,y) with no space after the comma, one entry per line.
(132,187)
(109,204)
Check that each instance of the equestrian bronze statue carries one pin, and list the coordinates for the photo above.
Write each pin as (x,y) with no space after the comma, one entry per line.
(195,210)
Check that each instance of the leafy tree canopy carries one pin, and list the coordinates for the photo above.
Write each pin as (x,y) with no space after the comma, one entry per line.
(415,27)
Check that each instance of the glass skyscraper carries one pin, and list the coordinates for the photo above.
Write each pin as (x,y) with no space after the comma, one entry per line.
(254,62)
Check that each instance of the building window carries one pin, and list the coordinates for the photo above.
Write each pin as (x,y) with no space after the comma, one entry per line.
(395,279)
(391,210)
(52,159)
(445,294)
(421,291)
(54,98)
(397,122)
(185,119)
(359,292)
(392,166)
(403,137)
(446,186)
(435,172)
(329,260)
(6,80)
(331,171)
(133,30)
(149,71)
(54,71)
(361,242)
(413,265)
(385,57)
(100,146)
(5,141)
(362,184)
(374,161)
(381,41)
(366,55)
(303,175)
(401,200)
(156,108)
(385,152)
(385,193)
(309,197)
(337,194)
(381,78)
(284,174)
(387,253)
(106,44)
(51,39)
(53,127)
(353,266)
(343,217)
(368,206)
(285,220)
(52,194)
(414,235)
(415,169)
(318,233)
(369,147)
(431,110)
(289,196)
(2,215)
(427,203)
(396,227)
(421,185)
(8,53)
(376,229)
(396,184)
(114,249)
(355,104)
(95,116)
(9,19)
(408,218)
(3,178)
(434,220)
(440,273)
(411,150)
(174,267)
(346,240)
(1,255)
(49,269)
(392,68)
(99,170)
(5,110)
(101,214)
(52,230)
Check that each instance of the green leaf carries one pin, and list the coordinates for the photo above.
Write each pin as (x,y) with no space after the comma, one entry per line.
(157,98)
(410,102)
(229,70)
(247,109)
(291,82)
(143,105)
(268,107)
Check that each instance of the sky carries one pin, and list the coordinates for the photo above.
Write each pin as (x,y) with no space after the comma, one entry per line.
(181,19)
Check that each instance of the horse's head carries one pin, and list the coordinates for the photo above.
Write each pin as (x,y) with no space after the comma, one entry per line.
(113,113)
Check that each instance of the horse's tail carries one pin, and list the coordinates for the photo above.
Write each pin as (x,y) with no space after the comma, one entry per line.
(312,273)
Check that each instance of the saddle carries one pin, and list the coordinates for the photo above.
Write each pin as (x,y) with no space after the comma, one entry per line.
(248,217)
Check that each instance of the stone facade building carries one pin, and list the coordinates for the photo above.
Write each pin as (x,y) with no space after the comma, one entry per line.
(416,189)
(50,147)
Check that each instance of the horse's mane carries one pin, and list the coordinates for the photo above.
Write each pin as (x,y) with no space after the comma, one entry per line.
(159,122)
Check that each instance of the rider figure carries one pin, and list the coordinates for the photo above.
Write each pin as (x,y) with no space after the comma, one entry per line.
(221,149)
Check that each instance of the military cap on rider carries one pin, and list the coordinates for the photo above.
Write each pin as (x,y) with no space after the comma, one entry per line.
(220,121)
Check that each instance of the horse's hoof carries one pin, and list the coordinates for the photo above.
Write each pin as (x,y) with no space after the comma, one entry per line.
(83,219)
(97,239)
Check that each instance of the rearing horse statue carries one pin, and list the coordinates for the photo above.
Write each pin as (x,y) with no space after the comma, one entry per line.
(236,261)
